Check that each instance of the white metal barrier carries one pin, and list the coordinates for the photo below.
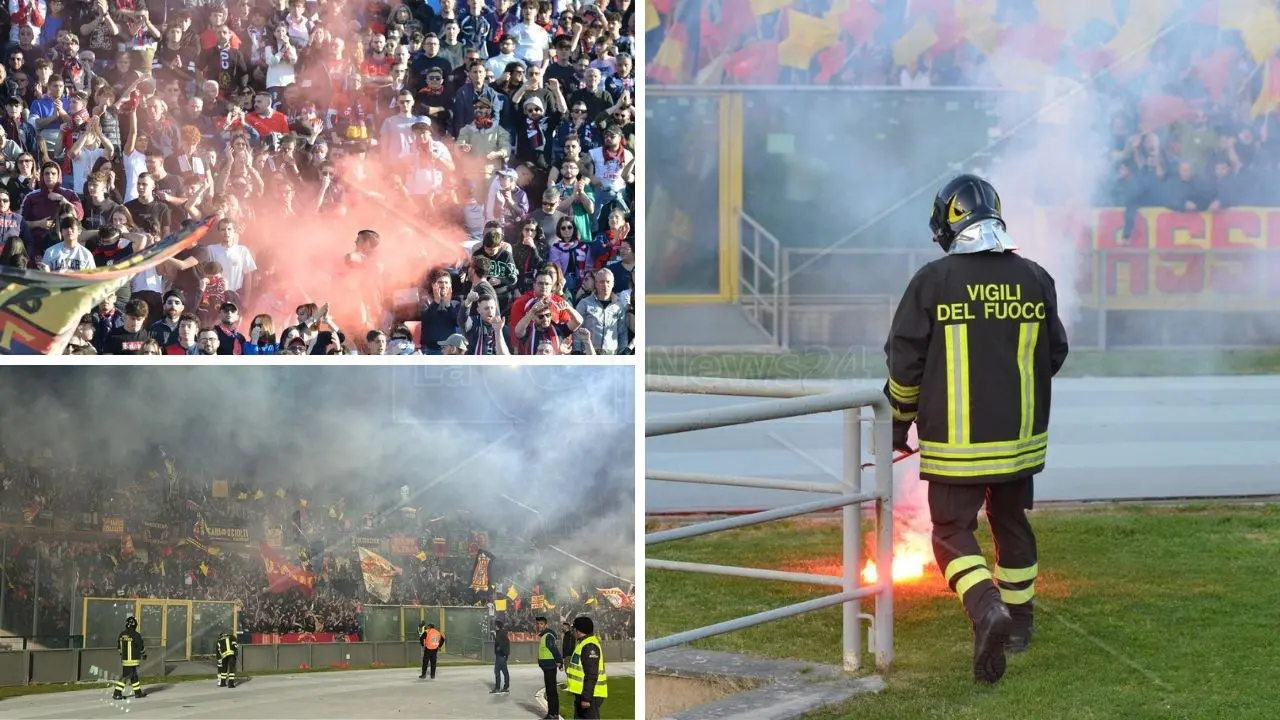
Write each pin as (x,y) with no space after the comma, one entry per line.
(790,399)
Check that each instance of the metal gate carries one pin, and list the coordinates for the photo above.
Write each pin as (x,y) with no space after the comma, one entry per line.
(788,400)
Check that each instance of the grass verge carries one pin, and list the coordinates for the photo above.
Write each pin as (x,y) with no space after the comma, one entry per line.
(828,364)
(621,704)
(1141,612)
(46,688)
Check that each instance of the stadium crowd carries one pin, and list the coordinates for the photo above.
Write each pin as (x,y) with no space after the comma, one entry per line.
(377,177)
(1184,91)
(70,532)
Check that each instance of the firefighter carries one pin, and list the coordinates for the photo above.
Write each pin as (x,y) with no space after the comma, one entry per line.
(228,650)
(972,351)
(587,681)
(549,661)
(132,653)
(432,640)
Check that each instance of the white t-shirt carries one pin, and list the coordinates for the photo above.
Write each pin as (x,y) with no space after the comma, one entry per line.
(610,172)
(236,262)
(82,166)
(426,176)
(397,134)
(60,258)
(497,64)
(531,42)
(135,163)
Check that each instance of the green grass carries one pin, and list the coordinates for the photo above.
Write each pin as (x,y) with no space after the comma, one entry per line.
(46,688)
(1141,613)
(621,703)
(858,363)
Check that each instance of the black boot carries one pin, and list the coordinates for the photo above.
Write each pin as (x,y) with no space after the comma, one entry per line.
(990,633)
(1020,633)
(117,695)
(222,683)
(139,694)
(231,683)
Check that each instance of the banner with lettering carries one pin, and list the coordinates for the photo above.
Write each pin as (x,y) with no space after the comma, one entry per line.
(226,534)
(113,525)
(156,532)
(1161,259)
(404,546)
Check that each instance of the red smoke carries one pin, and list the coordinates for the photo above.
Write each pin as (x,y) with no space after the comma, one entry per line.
(301,254)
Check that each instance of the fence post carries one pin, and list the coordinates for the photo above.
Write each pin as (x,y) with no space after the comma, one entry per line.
(852,526)
(882,440)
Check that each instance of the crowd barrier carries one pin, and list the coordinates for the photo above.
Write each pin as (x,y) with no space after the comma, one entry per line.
(22,667)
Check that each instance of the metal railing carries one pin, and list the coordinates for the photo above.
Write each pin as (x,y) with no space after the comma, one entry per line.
(787,400)
(758,279)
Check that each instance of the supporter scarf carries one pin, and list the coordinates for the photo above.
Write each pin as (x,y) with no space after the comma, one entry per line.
(27,14)
(535,133)
(68,140)
(552,336)
(482,337)
(615,156)
(484,123)
(428,91)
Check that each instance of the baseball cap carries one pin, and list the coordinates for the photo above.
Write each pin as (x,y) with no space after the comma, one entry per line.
(454,340)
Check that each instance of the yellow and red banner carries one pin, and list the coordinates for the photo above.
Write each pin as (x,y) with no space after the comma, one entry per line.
(282,575)
(39,310)
(378,574)
(1161,259)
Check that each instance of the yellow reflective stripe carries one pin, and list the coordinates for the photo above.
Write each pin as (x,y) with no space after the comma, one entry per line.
(967,468)
(903,393)
(962,563)
(957,350)
(968,581)
(904,416)
(1028,336)
(1017,575)
(1018,597)
(981,450)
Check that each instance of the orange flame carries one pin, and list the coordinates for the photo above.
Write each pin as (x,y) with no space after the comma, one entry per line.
(909,565)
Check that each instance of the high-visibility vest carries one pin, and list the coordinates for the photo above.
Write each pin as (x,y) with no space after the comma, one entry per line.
(226,646)
(431,640)
(544,652)
(575,675)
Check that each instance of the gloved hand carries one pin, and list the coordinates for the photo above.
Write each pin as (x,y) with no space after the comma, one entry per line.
(900,431)
(144,654)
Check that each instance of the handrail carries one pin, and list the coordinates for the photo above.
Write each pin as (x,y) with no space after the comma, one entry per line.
(758,279)
(793,399)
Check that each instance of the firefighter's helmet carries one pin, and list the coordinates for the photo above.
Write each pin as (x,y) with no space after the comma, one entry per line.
(960,203)
(131,623)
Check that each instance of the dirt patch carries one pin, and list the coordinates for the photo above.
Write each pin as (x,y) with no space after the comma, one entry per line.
(665,695)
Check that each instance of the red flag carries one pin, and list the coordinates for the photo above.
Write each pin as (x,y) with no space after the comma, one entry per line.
(282,575)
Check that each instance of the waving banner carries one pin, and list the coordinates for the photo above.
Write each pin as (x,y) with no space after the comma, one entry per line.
(39,310)
(378,574)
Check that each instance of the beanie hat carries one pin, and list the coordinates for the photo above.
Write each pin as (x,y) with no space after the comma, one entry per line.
(583,624)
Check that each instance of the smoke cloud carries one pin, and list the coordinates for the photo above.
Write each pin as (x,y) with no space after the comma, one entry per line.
(854,166)
(544,455)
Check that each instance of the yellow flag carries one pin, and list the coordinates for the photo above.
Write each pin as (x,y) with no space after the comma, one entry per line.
(500,605)
(511,592)
(764,7)
(651,18)
(204,568)
(908,49)
(807,36)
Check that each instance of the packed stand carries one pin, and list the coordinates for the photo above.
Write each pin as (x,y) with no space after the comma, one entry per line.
(166,536)
(380,178)
(1186,104)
